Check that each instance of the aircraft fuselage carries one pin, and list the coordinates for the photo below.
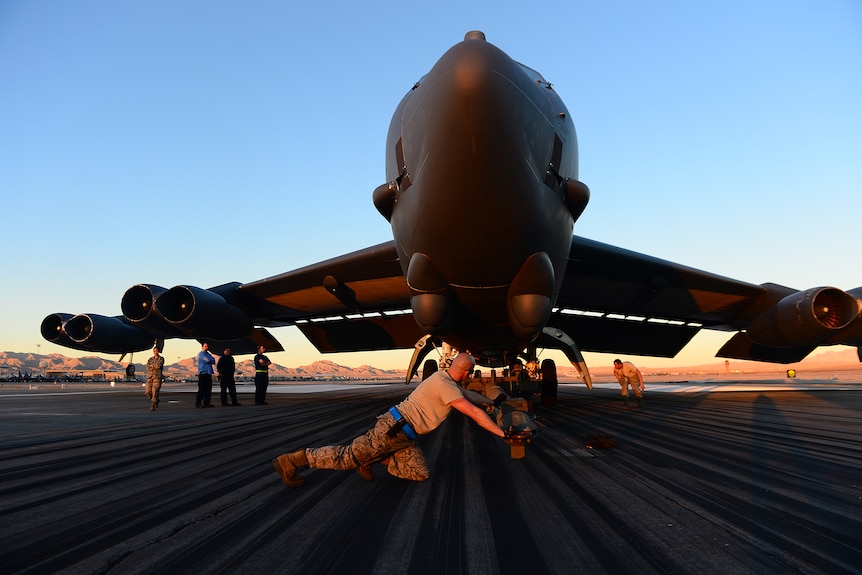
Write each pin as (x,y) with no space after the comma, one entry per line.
(479,152)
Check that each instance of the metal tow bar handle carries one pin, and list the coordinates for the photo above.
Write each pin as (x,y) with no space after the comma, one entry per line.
(518,438)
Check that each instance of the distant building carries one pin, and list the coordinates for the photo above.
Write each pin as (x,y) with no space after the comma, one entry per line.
(84,374)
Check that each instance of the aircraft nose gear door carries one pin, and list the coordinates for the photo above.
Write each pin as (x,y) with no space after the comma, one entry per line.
(567,345)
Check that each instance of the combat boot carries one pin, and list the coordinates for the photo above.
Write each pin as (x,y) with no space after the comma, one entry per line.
(640,402)
(625,403)
(286,464)
(365,472)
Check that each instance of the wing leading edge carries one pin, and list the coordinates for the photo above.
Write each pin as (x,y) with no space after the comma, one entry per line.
(619,301)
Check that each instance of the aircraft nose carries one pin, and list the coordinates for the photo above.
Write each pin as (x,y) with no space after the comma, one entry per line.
(473,67)
(459,130)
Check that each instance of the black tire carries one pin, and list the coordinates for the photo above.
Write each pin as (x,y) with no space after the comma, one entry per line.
(549,383)
(130,371)
(429,368)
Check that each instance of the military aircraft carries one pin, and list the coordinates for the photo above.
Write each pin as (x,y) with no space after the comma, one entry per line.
(482,193)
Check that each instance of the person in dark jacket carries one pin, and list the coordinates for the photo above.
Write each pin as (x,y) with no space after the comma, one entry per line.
(226,366)
(261,376)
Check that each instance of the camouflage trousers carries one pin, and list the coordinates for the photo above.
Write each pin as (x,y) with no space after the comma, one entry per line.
(154,384)
(624,387)
(405,457)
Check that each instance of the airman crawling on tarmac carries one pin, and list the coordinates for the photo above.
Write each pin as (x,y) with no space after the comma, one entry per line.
(391,441)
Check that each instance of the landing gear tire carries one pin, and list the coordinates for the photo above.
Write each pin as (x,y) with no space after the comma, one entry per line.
(549,383)
(523,381)
(428,368)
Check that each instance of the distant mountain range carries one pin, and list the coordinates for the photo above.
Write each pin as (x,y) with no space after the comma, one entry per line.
(11,363)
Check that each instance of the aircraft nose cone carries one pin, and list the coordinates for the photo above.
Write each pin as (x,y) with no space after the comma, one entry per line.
(474,68)
(460,108)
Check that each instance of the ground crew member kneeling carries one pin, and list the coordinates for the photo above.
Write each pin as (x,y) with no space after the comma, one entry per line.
(629,375)
(391,441)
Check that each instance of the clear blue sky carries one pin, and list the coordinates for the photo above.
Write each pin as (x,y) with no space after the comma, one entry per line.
(203,142)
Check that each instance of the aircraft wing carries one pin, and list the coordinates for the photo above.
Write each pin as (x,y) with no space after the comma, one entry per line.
(355,302)
(611,300)
(618,301)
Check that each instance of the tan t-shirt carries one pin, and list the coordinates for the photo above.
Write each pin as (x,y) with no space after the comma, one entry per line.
(429,404)
(629,371)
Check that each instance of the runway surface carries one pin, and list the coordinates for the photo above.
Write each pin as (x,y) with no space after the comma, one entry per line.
(722,482)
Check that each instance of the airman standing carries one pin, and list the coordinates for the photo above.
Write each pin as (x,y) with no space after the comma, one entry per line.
(155,377)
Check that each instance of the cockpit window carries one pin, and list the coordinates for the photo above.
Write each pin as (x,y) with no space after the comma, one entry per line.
(534,76)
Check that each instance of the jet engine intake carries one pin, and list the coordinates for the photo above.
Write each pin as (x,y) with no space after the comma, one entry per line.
(203,314)
(94,332)
(852,334)
(52,328)
(804,318)
(139,307)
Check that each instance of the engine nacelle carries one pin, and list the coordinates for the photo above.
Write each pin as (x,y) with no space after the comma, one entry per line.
(852,334)
(804,318)
(52,330)
(99,333)
(203,314)
(139,307)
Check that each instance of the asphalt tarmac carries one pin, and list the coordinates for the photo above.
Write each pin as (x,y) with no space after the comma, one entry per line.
(721,482)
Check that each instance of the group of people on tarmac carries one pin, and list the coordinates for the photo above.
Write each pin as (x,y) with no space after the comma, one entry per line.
(207,366)
(391,441)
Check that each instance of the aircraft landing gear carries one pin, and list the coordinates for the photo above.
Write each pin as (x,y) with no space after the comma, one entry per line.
(428,368)
(549,383)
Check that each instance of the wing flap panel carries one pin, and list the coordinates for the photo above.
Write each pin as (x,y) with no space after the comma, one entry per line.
(246,345)
(369,334)
(740,347)
(605,335)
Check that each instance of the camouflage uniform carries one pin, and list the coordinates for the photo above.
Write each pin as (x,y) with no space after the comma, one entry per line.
(154,377)
(405,457)
(424,410)
(628,376)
